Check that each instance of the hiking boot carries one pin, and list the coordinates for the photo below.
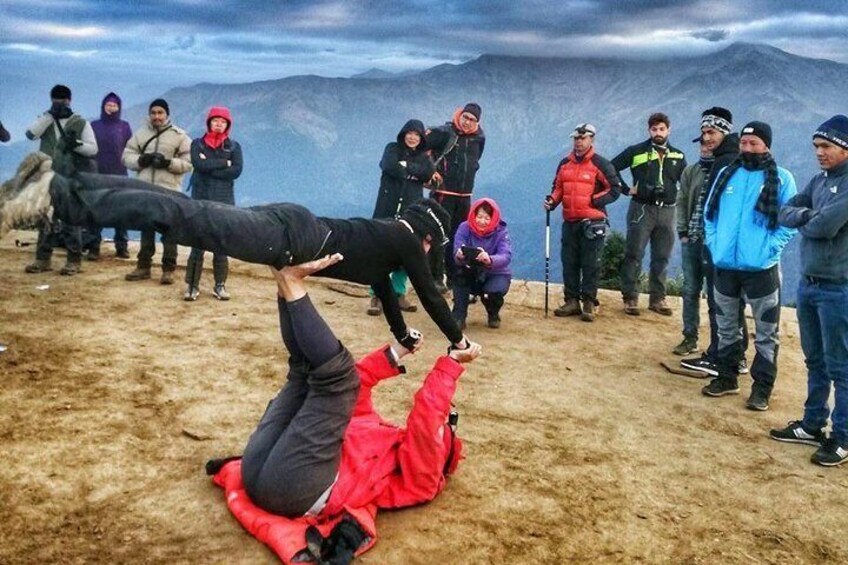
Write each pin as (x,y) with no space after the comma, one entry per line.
(701,364)
(831,453)
(70,269)
(661,307)
(191,293)
(93,255)
(721,387)
(374,308)
(687,346)
(167,277)
(795,432)
(570,308)
(743,367)
(25,198)
(220,292)
(758,400)
(631,307)
(494,321)
(38,266)
(405,304)
(139,274)
(122,254)
(588,313)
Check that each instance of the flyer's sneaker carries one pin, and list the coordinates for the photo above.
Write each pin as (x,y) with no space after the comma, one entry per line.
(25,198)
(794,432)
(831,453)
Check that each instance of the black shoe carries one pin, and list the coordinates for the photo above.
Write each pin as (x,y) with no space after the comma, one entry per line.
(831,453)
(721,387)
(701,364)
(494,322)
(122,254)
(795,432)
(758,400)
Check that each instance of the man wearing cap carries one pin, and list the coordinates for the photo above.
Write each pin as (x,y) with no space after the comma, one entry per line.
(69,140)
(745,242)
(722,146)
(820,213)
(656,167)
(161,153)
(585,183)
(456,150)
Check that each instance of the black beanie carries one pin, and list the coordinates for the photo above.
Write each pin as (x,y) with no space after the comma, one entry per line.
(60,92)
(474,109)
(427,217)
(760,129)
(835,130)
(162,104)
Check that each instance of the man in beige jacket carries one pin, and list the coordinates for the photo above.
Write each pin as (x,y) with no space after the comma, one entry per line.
(161,153)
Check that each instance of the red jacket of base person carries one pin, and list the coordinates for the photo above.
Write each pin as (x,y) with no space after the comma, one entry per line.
(585,185)
(382,465)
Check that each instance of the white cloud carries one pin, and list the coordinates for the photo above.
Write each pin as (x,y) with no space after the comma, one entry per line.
(65,31)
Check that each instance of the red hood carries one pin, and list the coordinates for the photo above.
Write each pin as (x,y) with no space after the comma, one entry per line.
(496,217)
(215,140)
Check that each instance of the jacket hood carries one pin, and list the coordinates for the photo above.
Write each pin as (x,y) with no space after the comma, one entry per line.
(114,98)
(219,112)
(496,217)
(728,146)
(416,126)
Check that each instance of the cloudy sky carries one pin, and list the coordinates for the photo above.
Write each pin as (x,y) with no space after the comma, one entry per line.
(141,49)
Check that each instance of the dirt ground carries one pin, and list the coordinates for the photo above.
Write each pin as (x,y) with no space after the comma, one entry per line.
(580,448)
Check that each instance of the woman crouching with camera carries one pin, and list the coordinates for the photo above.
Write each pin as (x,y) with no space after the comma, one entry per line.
(483,252)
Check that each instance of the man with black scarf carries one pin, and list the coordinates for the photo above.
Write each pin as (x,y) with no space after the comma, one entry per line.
(67,138)
(718,139)
(745,242)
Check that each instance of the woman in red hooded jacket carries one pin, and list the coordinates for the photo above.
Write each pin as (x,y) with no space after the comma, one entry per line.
(217,162)
(322,461)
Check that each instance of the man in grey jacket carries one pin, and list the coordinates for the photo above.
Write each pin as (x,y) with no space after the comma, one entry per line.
(820,212)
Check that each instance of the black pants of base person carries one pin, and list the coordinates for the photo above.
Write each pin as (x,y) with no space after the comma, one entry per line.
(292,459)
(761,290)
(261,234)
(580,268)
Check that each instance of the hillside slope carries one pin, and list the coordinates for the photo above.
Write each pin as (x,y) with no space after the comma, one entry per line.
(580,449)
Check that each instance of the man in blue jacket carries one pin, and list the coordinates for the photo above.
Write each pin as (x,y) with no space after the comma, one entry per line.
(820,212)
(745,241)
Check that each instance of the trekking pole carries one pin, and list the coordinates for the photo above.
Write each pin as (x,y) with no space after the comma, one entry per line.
(547,257)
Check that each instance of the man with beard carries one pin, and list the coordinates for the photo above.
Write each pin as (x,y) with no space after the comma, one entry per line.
(717,139)
(820,212)
(745,242)
(656,168)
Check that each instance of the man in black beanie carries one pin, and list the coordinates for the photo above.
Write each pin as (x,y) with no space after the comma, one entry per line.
(820,213)
(718,138)
(745,242)
(67,138)
(275,234)
(457,147)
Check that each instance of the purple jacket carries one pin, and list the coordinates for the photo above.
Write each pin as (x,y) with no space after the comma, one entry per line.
(496,242)
(112,134)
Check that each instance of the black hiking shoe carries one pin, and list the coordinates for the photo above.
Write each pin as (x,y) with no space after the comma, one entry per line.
(701,364)
(795,432)
(687,346)
(831,453)
(758,400)
(721,387)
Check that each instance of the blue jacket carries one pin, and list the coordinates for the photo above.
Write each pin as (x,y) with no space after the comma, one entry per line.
(738,236)
(495,240)
(820,211)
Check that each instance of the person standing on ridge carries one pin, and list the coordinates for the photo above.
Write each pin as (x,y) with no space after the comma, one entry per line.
(655,166)
(217,162)
(457,147)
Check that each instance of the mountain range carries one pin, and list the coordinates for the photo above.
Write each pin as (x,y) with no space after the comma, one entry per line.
(318,141)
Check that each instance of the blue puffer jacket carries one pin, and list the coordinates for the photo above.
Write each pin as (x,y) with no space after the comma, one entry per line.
(738,236)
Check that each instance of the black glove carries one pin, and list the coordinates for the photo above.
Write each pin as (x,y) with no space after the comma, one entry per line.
(145,160)
(412,339)
(70,141)
(160,161)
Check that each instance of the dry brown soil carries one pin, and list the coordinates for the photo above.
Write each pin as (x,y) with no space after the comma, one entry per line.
(580,448)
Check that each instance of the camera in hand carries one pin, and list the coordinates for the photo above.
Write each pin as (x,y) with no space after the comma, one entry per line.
(657,193)
(471,253)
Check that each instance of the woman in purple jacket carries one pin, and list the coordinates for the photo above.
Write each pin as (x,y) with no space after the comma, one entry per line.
(483,252)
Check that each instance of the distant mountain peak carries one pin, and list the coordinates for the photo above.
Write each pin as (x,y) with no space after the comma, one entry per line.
(374,73)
